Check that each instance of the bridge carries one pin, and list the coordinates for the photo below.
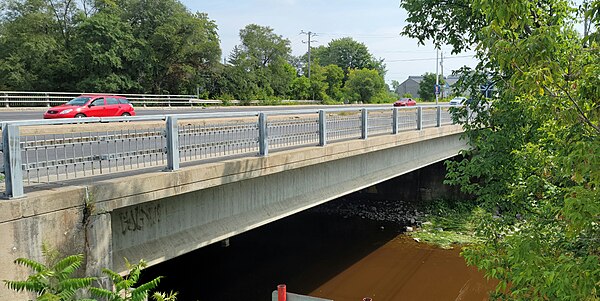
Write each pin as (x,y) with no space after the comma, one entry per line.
(156,187)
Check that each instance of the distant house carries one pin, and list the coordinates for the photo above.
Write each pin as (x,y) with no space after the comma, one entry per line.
(411,85)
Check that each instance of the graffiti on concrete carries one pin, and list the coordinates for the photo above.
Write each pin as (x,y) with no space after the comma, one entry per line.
(140,216)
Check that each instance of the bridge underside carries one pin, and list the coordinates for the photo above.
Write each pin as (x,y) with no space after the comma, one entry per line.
(168,227)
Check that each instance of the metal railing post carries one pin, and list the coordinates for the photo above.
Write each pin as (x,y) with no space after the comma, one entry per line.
(169,100)
(47,100)
(438,116)
(364,124)
(395,121)
(172,143)
(419,118)
(263,140)
(13,173)
(322,128)
(6,100)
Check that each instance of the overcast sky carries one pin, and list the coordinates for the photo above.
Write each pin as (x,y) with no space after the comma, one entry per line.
(376,23)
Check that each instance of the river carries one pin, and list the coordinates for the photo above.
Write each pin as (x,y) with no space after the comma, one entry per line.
(324,252)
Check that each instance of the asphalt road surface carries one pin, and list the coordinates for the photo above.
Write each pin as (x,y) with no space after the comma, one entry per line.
(13,114)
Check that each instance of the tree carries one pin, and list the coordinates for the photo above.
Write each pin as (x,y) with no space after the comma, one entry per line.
(348,54)
(33,45)
(105,50)
(365,85)
(334,77)
(262,56)
(427,86)
(395,85)
(176,48)
(531,162)
(300,88)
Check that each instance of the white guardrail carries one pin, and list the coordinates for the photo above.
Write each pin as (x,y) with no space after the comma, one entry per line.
(10,99)
(47,151)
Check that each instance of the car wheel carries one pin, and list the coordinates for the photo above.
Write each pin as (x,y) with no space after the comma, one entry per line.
(125,114)
(79,115)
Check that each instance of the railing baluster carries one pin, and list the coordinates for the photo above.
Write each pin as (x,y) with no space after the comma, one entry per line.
(13,172)
(172,143)
(322,128)
(263,143)
(395,121)
(364,124)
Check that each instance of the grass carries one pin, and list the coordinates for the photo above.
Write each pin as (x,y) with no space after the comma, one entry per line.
(448,223)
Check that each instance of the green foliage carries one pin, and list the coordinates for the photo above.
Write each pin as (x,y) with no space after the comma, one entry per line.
(347,54)
(159,47)
(126,288)
(427,86)
(136,46)
(449,223)
(334,77)
(53,280)
(260,67)
(533,163)
(365,86)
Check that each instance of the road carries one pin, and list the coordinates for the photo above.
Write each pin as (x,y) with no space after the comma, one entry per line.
(14,114)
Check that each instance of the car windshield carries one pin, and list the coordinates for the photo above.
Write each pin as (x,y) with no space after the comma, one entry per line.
(78,101)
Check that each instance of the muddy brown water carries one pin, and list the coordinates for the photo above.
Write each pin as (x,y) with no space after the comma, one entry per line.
(322,255)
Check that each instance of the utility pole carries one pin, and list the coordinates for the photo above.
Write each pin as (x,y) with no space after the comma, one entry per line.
(443,91)
(437,77)
(309,35)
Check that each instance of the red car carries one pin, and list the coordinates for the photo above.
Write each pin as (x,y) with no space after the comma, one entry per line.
(92,105)
(405,102)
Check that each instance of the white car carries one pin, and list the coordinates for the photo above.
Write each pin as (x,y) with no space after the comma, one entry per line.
(458,101)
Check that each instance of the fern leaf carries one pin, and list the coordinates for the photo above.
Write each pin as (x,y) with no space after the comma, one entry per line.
(115,277)
(32,264)
(158,296)
(146,287)
(76,283)
(68,265)
(24,286)
(102,293)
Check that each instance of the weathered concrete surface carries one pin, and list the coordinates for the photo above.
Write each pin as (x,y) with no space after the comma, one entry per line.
(160,215)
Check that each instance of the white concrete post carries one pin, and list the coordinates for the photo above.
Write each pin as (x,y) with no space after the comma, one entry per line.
(263,140)
(364,124)
(172,143)
(322,128)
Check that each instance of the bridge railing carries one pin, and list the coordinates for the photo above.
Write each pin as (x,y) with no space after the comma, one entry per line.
(42,152)
(18,99)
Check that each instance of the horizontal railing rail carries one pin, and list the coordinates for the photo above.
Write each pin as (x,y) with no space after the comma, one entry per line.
(10,99)
(56,150)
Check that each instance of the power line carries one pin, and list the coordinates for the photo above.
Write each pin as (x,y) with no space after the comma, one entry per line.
(360,35)
(428,59)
